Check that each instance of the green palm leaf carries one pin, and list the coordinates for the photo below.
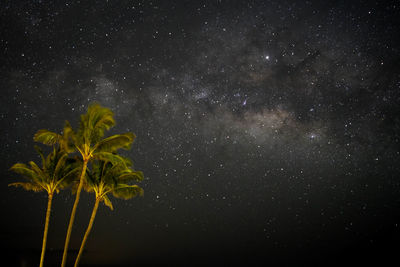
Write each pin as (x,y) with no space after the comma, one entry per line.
(47,137)
(60,165)
(24,170)
(65,141)
(68,138)
(115,142)
(125,191)
(39,172)
(40,152)
(68,177)
(28,186)
(109,157)
(132,176)
(107,202)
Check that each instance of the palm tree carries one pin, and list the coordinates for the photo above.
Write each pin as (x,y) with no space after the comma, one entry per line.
(89,142)
(106,178)
(56,173)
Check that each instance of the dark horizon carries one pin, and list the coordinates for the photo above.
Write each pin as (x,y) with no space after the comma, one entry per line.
(268,131)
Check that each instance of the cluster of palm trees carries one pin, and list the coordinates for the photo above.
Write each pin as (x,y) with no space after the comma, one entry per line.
(82,159)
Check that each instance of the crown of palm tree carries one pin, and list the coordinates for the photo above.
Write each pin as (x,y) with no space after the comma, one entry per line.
(57,172)
(88,139)
(106,177)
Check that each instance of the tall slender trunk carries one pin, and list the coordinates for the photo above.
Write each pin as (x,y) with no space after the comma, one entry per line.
(72,218)
(96,205)
(46,228)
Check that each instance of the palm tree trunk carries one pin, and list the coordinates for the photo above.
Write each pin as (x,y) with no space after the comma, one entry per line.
(46,228)
(96,205)
(72,218)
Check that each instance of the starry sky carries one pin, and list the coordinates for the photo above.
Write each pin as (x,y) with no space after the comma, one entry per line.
(268,131)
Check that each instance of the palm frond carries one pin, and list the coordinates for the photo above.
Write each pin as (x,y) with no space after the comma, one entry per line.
(68,178)
(110,157)
(40,152)
(39,172)
(50,162)
(131,176)
(60,165)
(47,137)
(107,202)
(56,173)
(32,177)
(125,191)
(112,173)
(115,142)
(68,138)
(24,170)
(103,121)
(93,124)
(28,186)
(101,118)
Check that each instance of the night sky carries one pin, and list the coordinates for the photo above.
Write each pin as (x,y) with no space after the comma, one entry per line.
(268,131)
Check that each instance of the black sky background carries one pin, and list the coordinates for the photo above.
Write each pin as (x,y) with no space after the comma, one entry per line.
(268,131)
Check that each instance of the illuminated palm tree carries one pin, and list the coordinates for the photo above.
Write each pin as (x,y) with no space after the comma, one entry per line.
(56,173)
(106,178)
(89,142)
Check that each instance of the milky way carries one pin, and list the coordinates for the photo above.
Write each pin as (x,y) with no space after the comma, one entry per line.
(267,130)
